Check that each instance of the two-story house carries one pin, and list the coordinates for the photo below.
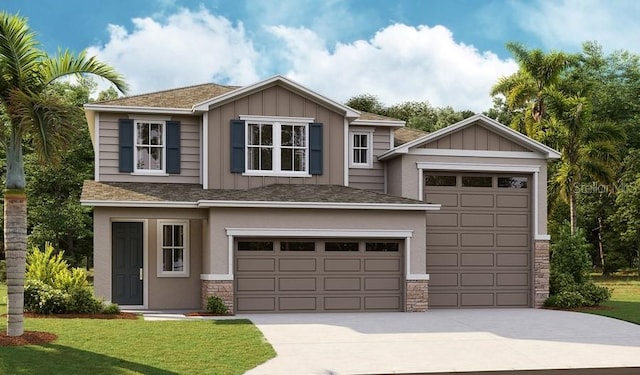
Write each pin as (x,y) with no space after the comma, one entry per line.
(278,199)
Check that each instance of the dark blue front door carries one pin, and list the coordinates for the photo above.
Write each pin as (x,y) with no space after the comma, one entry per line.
(127,263)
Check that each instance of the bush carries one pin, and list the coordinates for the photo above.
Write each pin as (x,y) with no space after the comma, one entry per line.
(41,298)
(111,308)
(81,301)
(215,305)
(3,271)
(53,270)
(570,284)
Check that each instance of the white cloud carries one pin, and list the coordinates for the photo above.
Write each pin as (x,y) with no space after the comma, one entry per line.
(566,24)
(399,63)
(189,47)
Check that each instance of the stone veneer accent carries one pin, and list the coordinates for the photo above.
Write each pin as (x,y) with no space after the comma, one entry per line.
(220,288)
(541,272)
(417,295)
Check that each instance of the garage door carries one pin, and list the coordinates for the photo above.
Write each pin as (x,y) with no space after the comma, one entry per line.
(307,275)
(479,243)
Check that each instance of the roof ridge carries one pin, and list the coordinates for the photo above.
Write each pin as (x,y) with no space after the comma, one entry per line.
(167,90)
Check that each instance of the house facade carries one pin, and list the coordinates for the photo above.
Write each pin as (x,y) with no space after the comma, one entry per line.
(278,199)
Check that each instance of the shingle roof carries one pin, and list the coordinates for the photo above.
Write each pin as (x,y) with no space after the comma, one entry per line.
(373,116)
(184,97)
(162,192)
(405,135)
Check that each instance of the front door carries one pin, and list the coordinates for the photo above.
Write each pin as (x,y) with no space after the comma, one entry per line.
(127,263)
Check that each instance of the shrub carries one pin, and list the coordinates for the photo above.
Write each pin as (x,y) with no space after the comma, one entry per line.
(53,270)
(3,271)
(43,299)
(111,308)
(566,299)
(215,305)
(594,294)
(81,301)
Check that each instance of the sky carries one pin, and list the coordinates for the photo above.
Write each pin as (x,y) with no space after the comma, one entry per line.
(446,52)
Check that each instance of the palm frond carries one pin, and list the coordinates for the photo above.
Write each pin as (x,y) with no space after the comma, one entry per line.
(19,54)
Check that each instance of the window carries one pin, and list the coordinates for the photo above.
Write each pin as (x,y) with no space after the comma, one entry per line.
(341,246)
(277,148)
(434,180)
(512,182)
(173,248)
(361,146)
(473,181)
(383,246)
(297,246)
(255,246)
(149,147)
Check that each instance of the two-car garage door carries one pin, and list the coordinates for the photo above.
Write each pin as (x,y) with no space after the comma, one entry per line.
(304,275)
(478,244)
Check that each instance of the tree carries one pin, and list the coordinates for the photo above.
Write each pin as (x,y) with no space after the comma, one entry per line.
(366,103)
(38,119)
(525,90)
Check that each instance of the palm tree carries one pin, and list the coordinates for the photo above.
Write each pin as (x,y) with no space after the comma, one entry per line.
(35,115)
(589,148)
(525,90)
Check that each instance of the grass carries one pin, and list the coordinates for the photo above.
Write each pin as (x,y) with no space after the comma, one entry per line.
(625,301)
(137,347)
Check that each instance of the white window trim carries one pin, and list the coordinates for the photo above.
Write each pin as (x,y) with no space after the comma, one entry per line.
(277,123)
(147,172)
(186,251)
(369,134)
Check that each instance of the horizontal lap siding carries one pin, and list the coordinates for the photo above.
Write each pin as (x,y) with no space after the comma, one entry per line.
(273,101)
(372,178)
(189,149)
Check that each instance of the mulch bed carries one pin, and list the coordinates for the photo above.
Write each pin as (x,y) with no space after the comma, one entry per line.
(122,315)
(203,313)
(27,338)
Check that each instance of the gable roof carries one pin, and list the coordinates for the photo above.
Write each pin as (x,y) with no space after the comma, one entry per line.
(140,194)
(406,135)
(490,123)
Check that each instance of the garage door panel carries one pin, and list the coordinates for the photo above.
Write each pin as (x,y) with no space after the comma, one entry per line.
(484,261)
(443,279)
(255,265)
(289,284)
(476,220)
(297,303)
(476,279)
(442,239)
(476,200)
(476,239)
(342,303)
(512,259)
(440,219)
(442,259)
(512,279)
(382,265)
(382,302)
(256,303)
(342,283)
(476,259)
(476,299)
(446,200)
(512,299)
(512,240)
(256,284)
(342,265)
(443,299)
(512,201)
(512,220)
(383,283)
(297,265)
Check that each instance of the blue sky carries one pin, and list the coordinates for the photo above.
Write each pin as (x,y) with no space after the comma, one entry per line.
(448,52)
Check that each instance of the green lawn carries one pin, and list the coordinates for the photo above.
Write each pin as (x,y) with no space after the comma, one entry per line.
(137,347)
(625,301)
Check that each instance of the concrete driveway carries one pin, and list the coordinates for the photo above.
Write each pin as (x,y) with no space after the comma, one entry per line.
(445,341)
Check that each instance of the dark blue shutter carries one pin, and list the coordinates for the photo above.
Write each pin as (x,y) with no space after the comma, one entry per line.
(125,145)
(237,146)
(173,147)
(315,148)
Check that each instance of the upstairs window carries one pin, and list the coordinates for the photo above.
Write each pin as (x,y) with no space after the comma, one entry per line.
(276,146)
(361,149)
(149,146)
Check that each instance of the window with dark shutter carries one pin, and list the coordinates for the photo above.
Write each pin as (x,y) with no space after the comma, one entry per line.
(237,146)
(173,147)
(125,145)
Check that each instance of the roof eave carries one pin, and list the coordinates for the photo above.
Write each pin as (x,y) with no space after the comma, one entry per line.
(390,123)
(135,109)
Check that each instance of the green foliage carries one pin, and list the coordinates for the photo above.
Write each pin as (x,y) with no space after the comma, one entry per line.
(215,305)
(570,283)
(53,288)
(366,103)
(53,270)
(111,308)
(3,271)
